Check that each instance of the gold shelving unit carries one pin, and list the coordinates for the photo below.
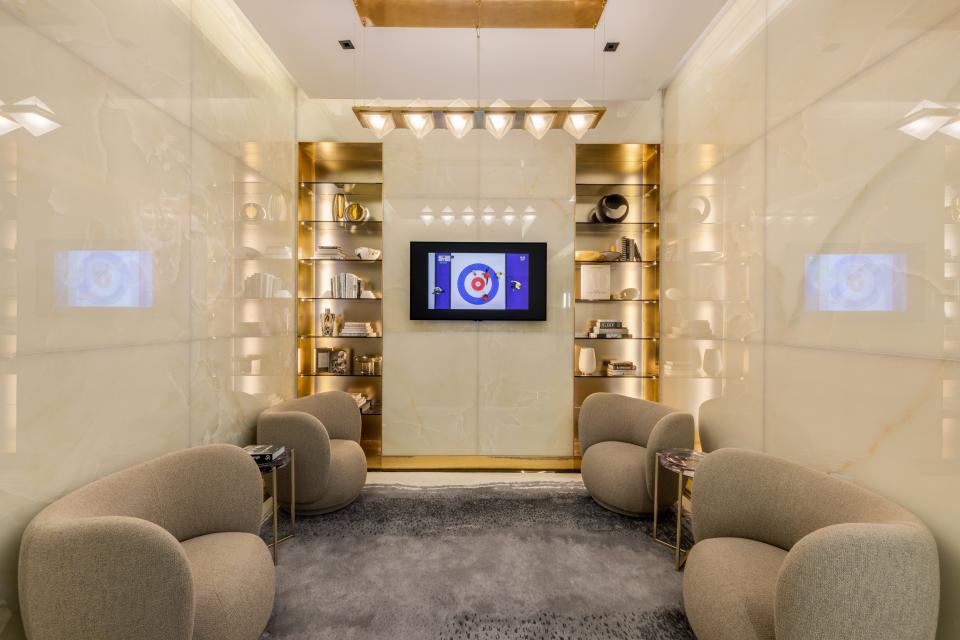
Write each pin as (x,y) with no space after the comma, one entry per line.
(633,171)
(354,170)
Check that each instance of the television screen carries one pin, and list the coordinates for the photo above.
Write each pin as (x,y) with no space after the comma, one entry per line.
(104,278)
(856,282)
(478,281)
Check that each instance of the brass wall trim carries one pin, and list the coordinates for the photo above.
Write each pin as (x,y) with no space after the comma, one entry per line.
(477,463)
(488,14)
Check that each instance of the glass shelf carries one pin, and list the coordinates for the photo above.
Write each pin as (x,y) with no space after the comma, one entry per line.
(603,228)
(642,263)
(347,299)
(606,377)
(372,227)
(596,190)
(313,337)
(650,339)
(353,260)
(339,375)
(643,300)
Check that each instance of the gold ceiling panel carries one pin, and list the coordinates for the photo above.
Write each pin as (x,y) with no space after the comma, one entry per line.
(490,14)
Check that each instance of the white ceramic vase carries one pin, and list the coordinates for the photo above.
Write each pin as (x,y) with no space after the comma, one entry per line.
(588,360)
(712,362)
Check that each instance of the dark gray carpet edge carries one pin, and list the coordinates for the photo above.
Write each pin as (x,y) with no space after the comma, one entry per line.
(504,561)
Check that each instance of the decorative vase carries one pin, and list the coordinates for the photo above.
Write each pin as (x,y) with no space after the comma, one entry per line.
(338,206)
(588,361)
(328,323)
(612,208)
(712,362)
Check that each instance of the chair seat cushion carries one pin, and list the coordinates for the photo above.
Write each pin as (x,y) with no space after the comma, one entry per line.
(348,474)
(729,588)
(615,475)
(233,585)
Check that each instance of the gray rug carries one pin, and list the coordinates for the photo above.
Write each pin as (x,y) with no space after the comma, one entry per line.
(506,561)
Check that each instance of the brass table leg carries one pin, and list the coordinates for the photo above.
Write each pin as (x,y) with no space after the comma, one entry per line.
(679,515)
(273,477)
(293,492)
(656,495)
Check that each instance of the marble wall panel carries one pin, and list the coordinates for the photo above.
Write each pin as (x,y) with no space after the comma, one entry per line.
(466,388)
(173,115)
(867,395)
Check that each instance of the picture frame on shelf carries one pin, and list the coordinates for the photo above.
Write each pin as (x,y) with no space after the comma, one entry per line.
(341,361)
(324,358)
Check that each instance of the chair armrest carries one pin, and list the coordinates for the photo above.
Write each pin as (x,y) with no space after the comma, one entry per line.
(304,433)
(860,581)
(104,578)
(673,431)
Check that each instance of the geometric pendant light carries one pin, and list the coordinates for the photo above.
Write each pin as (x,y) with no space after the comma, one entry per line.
(539,120)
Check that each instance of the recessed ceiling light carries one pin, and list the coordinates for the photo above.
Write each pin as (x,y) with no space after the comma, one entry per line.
(611,46)
(347,45)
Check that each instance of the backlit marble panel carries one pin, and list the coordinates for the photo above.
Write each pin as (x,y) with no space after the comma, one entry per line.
(173,116)
(465,388)
(868,395)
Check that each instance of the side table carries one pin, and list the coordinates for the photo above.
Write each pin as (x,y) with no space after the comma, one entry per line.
(682,462)
(287,459)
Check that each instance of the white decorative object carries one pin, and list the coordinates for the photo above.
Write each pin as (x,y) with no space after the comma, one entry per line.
(366,253)
(588,361)
(595,282)
(712,362)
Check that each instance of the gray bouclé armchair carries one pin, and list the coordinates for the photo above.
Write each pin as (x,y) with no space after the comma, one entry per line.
(166,550)
(620,437)
(324,430)
(789,553)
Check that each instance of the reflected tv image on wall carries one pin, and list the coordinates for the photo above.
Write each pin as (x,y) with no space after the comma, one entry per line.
(856,282)
(477,281)
(110,279)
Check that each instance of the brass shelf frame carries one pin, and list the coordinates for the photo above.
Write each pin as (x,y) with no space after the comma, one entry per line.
(357,169)
(632,170)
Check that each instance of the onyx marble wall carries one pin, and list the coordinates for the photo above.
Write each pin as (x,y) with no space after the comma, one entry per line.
(781,142)
(173,115)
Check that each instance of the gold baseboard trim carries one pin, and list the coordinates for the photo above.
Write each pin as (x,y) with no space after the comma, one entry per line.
(476,463)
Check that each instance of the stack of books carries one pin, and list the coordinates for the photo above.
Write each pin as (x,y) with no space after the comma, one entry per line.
(330,253)
(264,453)
(261,285)
(358,330)
(619,368)
(363,402)
(629,250)
(611,329)
(346,285)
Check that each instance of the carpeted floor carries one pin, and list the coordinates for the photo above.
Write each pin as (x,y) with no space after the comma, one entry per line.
(505,561)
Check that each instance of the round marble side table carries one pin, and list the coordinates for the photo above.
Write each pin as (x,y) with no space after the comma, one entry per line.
(682,462)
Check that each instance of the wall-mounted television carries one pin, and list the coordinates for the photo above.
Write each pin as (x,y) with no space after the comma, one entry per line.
(478,281)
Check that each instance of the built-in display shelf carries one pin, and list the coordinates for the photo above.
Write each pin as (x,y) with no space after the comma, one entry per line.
(333,176)
(632,171)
